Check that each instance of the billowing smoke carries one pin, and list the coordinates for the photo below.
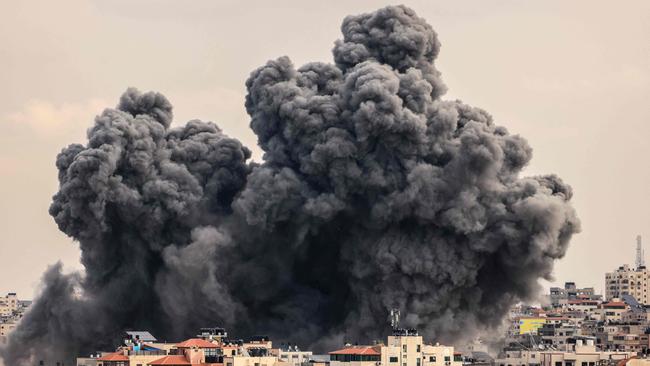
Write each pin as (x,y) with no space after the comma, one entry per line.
(374,193)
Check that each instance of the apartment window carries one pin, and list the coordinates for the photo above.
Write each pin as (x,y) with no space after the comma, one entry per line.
(404,348)
(417,361)
(433,359)
(447,358)
(417,348)
(393,359)
(584,364)
(403,363)
(558,363)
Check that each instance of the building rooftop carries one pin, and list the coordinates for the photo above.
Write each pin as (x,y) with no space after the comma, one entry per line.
(171,360)
(196,343)
(358,350)
(117,356)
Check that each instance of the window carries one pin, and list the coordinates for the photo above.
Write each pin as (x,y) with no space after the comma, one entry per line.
(417,361)
(404,348)
(558,363)
(417,348)
(393,359)
(447,358)
(433,359)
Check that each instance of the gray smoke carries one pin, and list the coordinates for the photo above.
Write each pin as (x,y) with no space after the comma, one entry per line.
(374,193)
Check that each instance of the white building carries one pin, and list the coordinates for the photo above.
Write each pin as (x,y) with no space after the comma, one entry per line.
(293,355)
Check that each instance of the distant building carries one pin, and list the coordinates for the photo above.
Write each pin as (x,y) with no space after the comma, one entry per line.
(11,311)
(582,353)
(404,348)
(293,355)
(562,296)
(628,281)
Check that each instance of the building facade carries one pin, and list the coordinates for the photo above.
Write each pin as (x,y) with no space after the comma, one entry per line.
(628,281)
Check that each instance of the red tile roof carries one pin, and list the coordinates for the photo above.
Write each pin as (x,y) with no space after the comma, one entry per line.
(117,356)
(614,303)
(174,360)
(196,342)
(358,350)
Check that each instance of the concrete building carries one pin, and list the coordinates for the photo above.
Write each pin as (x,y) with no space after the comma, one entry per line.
(561,296)
(292,354)
(9,304)
(518,357)
(628,281)
(404,348)
(11,311)
(613,311)
(582,353)
(357,356)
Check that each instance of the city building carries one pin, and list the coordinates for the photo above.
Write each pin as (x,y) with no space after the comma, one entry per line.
(11,311)
(561,296)
(293,355)
(405,347)
(582,353)
(628,281)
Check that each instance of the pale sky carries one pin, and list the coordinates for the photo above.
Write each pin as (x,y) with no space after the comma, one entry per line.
(572,77)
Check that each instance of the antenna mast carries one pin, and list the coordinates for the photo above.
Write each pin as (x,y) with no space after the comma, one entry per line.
(640,261)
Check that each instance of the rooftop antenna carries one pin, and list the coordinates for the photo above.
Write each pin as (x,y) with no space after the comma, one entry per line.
(394,318)
(640,261)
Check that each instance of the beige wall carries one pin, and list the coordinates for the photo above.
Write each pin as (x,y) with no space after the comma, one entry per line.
(249,361)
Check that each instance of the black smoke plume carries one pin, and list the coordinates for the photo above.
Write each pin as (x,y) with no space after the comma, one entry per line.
(374,193)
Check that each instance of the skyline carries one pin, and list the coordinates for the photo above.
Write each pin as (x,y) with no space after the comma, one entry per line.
(527,89)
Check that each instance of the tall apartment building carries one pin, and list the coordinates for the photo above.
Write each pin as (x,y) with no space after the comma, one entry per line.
(628,281)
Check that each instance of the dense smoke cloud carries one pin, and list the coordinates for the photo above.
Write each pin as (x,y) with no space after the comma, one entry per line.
(373,194)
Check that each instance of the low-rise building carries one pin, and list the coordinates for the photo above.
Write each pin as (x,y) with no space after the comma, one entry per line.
(292,354)
(582,353)
(404,348)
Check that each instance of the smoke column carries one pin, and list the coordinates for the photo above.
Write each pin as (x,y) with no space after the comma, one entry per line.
(373,193)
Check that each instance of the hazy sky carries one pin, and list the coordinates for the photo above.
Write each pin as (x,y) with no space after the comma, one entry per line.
(572,77)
